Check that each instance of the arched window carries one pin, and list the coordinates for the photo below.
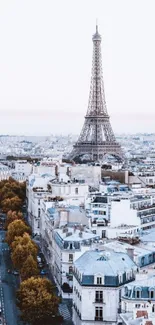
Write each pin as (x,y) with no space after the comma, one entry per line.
(138,292)
(151,292)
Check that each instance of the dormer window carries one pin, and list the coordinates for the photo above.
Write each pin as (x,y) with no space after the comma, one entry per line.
(151,293)
(99,280)
(138,292)
(120,278)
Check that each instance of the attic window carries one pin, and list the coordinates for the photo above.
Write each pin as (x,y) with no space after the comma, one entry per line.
(151,294)
(99,280)
(138,294)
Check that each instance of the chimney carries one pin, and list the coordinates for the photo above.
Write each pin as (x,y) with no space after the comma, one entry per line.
(80,234)
(130,252)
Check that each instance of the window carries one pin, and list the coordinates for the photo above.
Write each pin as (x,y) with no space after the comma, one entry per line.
(99,296)
(71,246)
(76,190)
(120,278)
(151,294)
(138,294)
(137,305)
(70,269)
(98,313)
(99,280)
(150,258)
(70,257)
(142,260)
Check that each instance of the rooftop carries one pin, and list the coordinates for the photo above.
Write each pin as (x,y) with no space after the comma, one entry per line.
(128,319)
(145,282)
(122,247)
(103,263)
(148,236)
(73,234)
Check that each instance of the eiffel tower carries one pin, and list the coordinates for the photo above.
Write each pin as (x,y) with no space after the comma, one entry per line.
(97,138)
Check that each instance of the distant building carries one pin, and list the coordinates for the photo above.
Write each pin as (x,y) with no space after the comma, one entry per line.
(98,213)
(73,192)
(5,172)
(90,174)
(24,167)
(138,211)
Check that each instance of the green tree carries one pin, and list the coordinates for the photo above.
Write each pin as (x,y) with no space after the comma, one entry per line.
(12,216)
(37,301)
(29,268)
(15,229)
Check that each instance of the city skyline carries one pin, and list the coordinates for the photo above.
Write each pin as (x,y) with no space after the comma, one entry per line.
(45,62)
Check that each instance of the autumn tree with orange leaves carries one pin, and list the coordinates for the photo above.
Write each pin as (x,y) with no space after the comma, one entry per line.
(15,229)
(37,302)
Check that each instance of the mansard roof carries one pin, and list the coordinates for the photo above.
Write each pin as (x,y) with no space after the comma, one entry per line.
(104,262)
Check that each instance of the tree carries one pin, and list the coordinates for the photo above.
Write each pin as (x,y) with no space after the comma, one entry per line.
(12,216)
(15,229)
(22,252)
(29,268)
(37,301)
(10,189)
(15,204)
(22,240)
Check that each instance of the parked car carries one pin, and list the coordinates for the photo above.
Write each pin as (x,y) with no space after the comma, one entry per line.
(15,272)
(38,259)
(43,272)
(40,265)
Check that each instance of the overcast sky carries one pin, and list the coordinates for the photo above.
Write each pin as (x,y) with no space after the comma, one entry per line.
(45,64)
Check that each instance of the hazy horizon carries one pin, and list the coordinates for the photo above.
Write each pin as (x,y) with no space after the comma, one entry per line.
(46,57)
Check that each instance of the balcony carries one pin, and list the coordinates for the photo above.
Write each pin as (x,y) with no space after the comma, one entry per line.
(100,319)
(69,276)
(99,301)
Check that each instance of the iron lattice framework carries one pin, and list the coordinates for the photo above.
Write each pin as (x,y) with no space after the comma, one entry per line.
(97,137)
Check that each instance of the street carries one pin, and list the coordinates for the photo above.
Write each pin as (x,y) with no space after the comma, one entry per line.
(8,286)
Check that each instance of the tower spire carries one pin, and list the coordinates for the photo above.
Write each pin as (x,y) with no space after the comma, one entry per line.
(96,138)
(96,26)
